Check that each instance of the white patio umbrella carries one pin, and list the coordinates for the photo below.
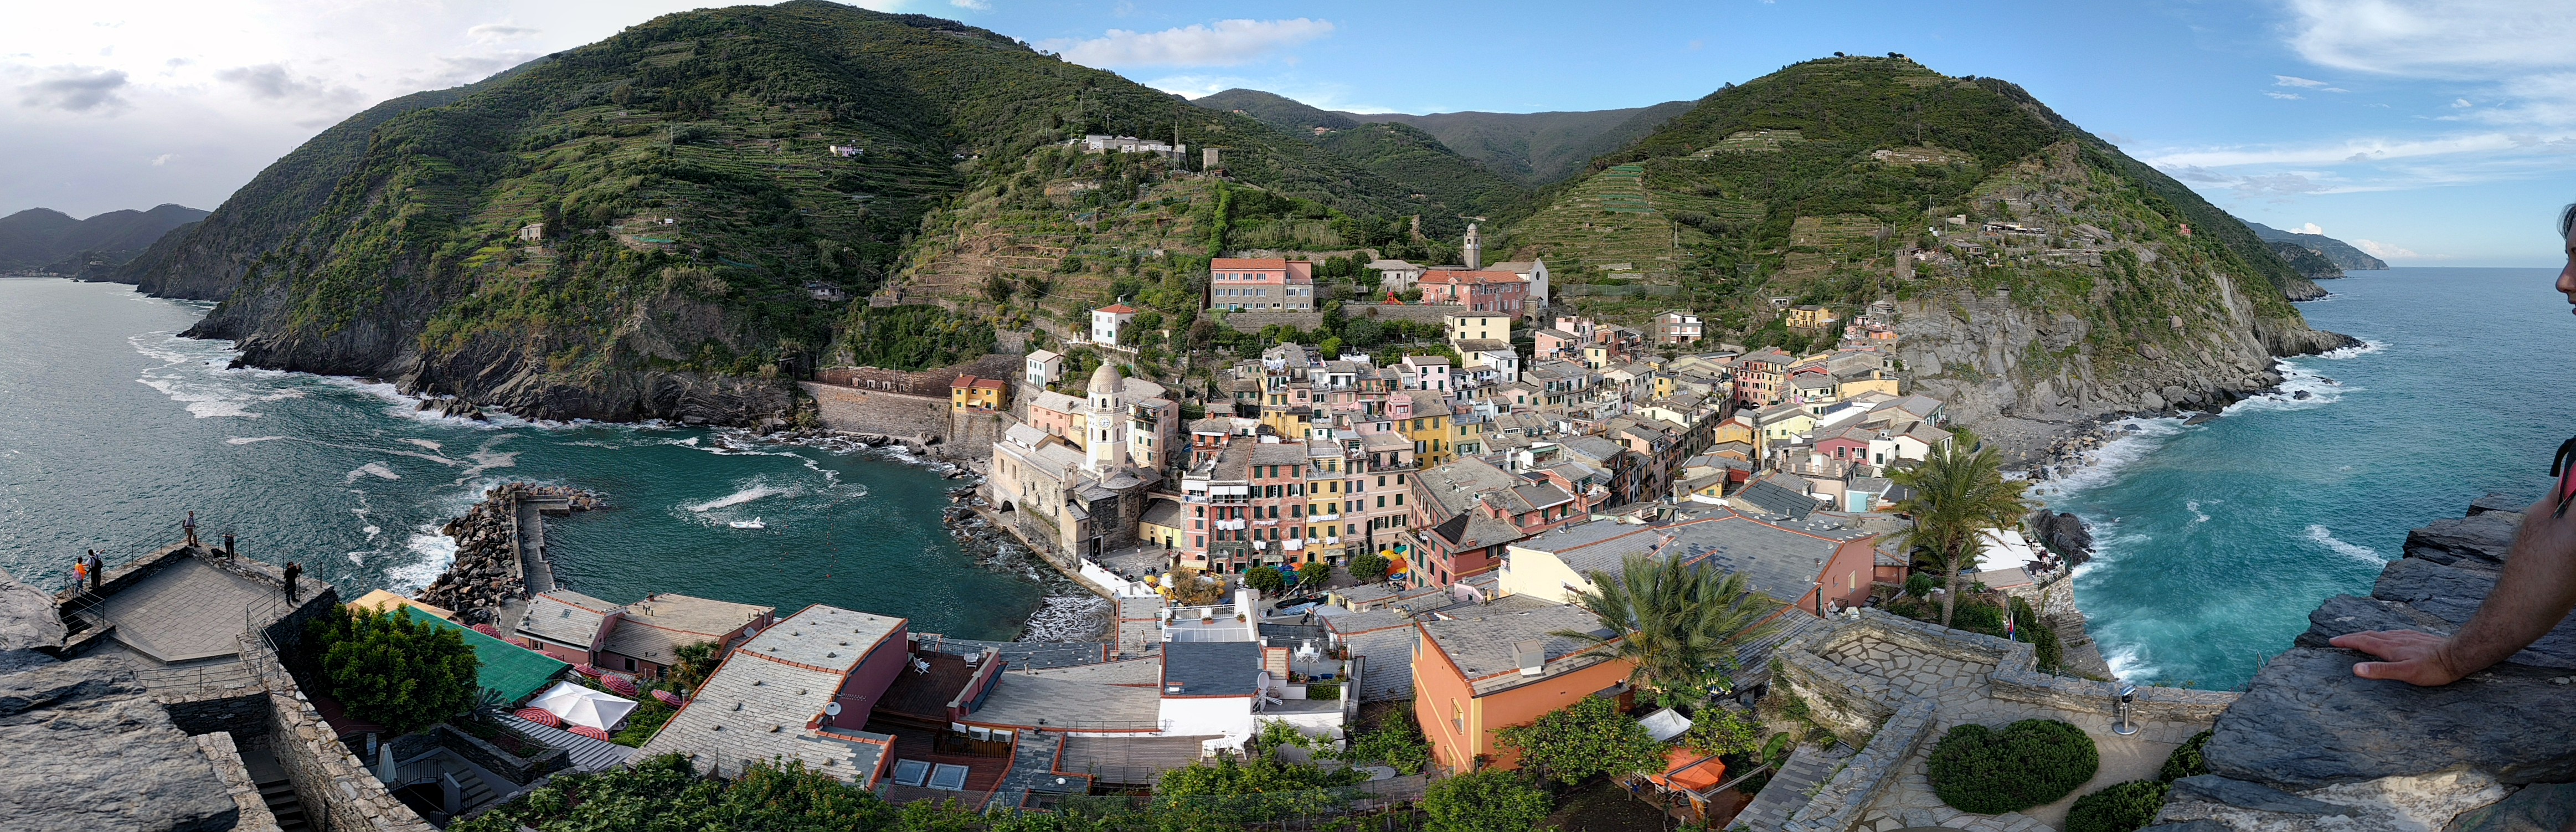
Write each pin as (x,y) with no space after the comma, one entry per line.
(579,705)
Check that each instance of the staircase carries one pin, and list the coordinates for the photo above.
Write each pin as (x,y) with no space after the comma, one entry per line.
(476,794)
(282,802)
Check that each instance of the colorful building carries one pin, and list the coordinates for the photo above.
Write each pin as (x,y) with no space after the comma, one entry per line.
(1261,284)
(1499,665)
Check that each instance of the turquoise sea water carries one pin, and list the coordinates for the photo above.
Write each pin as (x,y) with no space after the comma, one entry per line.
(112,428)
(2216,540)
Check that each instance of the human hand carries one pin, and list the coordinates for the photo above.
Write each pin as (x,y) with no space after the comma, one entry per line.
(2416,658)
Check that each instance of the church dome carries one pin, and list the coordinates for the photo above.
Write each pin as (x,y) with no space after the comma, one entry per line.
(1104,381)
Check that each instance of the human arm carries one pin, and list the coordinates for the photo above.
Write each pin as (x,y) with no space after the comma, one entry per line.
(2535,592)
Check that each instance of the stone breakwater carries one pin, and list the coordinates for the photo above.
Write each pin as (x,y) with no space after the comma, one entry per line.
(1070,611)
(488,571)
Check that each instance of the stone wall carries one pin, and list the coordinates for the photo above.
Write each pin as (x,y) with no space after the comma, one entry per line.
(971,434)
(335,786)
(2018,679)
(219,750)
(245,715)
(883,413)
(1838,805)
(931,382)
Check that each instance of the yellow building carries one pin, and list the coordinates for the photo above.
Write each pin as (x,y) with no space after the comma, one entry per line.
(971,393)
(1810,317)
(1479,328)
(1288,411)
(1329,534)
(1430,429)
(1874,381)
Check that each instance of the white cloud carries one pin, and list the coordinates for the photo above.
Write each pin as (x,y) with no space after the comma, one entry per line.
(973,5)
(498,32)
(163,159)
(2286,96)
(2294,81)
(76,89)
(2461,103)
(2384,251)
(1223,43)
(2516,48)
(273,81)
(2310,228)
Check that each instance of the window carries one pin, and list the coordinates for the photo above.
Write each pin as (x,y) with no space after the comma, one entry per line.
(1381,501)
(1399,499)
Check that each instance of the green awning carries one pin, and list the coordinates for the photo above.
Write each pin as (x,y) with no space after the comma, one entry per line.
(517,672)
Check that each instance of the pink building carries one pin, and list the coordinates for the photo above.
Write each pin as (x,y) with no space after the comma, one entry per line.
(1261,284)
(1480,291)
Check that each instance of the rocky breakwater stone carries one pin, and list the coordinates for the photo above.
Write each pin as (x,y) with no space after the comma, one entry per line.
(2478,541)
(88,749)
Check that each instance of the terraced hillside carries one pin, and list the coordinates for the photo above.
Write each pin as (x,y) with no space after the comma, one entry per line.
(1848,181)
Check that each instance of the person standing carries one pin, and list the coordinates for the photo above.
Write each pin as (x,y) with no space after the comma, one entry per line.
(228,544)
(80,573)
(190,526)
(293,571)
(97,570)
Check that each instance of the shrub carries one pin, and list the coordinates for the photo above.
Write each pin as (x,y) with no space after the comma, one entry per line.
(1920,585)
(1586,738)
(1396,741)
(391,670)
(2187,760)
(2126,807)
(1492,800)
(2028,763)
(1324,691)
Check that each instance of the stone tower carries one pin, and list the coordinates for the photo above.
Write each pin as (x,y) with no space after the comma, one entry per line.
(1106,450)
(1475,251)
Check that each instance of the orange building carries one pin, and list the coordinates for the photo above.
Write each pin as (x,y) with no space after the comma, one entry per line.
(1494,666)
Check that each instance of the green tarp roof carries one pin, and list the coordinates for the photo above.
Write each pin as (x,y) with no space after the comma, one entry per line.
(517,672)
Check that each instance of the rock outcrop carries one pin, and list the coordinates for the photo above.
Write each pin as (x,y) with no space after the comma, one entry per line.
(87,748)
(2310,741)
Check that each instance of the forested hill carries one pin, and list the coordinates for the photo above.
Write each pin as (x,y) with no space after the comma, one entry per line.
(1528,148)
(43,238)
(656,225)
(2042,272)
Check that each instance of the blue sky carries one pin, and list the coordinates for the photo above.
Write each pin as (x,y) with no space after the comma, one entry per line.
(2443,133)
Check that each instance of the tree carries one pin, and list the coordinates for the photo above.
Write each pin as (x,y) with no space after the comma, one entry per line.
(1492,800)
(1368,567)
(1590,737)
(1314,575)
(697,662)
(1723,731)
(1194,588)
(1957,495)
(1266,579)
(1678,623)
(392,670)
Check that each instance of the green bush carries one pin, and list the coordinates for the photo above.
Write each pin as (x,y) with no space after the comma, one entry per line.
(1492,800)
(2187,760)
(2028,763)
(391,670)
(1325,691)
(2125,807)
(1397,742)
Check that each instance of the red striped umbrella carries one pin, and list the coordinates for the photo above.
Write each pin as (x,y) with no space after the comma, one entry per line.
(617,685)
(588,670)
(541,716)
(667,698)
(488,630)
(588,731)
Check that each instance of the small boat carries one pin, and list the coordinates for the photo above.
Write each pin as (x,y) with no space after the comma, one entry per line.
(753,523)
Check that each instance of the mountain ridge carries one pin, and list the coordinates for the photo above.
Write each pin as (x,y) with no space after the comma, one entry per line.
(53,241)
(1530,148)
(2341,255)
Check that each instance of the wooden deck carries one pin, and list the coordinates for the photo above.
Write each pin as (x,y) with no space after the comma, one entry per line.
(925,696)
(1137,761)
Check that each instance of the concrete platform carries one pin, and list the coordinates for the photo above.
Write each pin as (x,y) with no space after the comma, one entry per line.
(189,611)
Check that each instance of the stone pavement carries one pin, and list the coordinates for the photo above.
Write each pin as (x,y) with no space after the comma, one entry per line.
(1964,692)
(1806,770)
(189,611)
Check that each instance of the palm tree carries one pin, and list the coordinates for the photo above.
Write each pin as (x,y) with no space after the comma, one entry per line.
(1677,622)
(1957,495)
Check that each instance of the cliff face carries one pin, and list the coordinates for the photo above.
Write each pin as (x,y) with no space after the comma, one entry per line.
(2311,746)
(206,261)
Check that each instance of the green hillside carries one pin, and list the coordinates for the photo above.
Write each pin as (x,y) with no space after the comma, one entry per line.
(700,243)
(1528,148)
(1417,160)
(1807,183)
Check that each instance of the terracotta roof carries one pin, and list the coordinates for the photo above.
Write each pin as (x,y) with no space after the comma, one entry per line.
(1118,309)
